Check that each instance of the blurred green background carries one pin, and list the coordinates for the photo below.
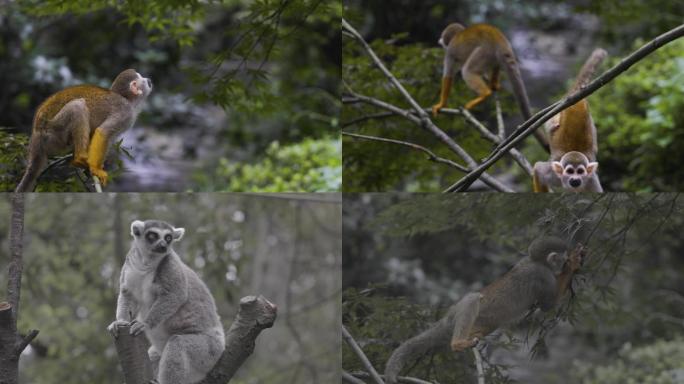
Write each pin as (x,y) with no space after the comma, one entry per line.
(286,248)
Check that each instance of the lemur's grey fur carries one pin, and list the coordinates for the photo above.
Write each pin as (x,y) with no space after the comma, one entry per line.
(163,297)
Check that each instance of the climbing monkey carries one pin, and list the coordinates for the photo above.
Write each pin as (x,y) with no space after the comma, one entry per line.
(479,52)
(538,280)
(572,165)
(85,119)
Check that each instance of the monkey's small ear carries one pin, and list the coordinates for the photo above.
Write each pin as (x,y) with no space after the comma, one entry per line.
(137,227)
(135,89)
(591,167)
(178,233)
(557,167)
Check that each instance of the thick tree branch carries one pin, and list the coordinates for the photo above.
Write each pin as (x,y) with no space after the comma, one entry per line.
(534,122)
(431,155)
(16,265)
(255,315)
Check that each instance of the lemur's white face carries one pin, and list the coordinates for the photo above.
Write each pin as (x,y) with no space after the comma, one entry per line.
(154,237)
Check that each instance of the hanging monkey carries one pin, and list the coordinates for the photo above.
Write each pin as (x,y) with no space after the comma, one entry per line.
(539,279)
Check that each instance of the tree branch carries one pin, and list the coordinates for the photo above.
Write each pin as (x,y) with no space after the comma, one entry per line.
(431,155)
(132,351)
(362,356)
(478,365)
(487,179)
(16,265)
(534,122)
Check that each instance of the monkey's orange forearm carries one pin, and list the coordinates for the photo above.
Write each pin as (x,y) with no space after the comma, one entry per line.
(96,155)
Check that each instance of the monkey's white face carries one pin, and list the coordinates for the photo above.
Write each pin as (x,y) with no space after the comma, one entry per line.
(155,240)
(141,86)
(574,176)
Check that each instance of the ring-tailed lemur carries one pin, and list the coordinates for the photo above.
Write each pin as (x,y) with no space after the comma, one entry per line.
(163,297)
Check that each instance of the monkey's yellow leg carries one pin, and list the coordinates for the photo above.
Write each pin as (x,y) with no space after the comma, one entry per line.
(96,155)
(444,95)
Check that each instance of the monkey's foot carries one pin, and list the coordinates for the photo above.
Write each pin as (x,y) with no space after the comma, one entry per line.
(576,258)
(80,161)
(460,345)
(436,108)
(101,174)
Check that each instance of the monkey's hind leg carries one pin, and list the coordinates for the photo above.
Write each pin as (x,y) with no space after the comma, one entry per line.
(188,358)
(73,118)
(473,77)
(464,314)
(96,154)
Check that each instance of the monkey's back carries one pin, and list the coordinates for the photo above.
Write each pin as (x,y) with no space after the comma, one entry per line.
(490,38)
(575,132)
(198,314)
(509,298)
(100,102)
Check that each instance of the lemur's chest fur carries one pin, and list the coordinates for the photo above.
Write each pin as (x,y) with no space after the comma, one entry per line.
(140,284)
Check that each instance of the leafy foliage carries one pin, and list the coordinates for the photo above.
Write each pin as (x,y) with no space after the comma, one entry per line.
(660,362)
(639,118)
(311,165)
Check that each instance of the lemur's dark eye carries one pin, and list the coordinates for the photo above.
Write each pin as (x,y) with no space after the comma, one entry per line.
(570,171)
(151,237)
(167,238)
(580,171)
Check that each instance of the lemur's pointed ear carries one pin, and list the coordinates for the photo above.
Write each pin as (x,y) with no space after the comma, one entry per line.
(137,227)
(178,233)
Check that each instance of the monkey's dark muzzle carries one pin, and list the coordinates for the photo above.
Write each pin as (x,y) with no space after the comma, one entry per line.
(575,183)
(160,249)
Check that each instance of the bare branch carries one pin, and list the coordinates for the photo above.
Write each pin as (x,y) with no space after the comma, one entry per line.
(431,155)
(487,179)
(21,345)
(132,352)
(362,356)
(478,365)
(534,122)
(400,379)
(16,265)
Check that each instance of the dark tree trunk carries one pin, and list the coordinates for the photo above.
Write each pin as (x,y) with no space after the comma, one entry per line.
(11,344)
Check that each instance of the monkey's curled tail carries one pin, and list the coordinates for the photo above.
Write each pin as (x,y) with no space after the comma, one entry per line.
(433,338)
(513,72)
(37,161)
(589,68)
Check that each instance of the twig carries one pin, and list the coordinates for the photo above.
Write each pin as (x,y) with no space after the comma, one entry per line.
(400,379)
(501,128)
(487,179)
(379,115)
(534,122)
(21,345)
(362,356)
(431,155)
(96,182)
(478,364)
(346,376)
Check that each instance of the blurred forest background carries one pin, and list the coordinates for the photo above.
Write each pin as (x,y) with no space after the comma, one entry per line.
(286,248)
(639,116)
(407,258)
(245,92)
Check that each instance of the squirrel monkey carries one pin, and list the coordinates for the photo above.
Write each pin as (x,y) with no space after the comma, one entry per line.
(540,279)
(479,51)
(573,165)
(85,118)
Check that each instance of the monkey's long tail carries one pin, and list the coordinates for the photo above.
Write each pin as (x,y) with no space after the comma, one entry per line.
(513,71)
(37,161)
(588,69)
(433,338)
